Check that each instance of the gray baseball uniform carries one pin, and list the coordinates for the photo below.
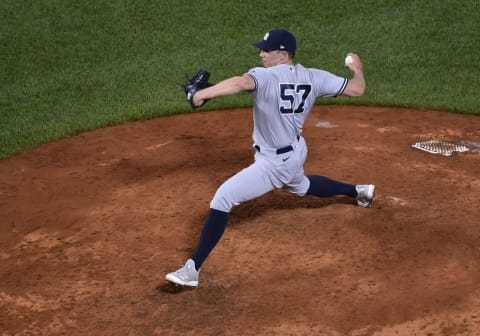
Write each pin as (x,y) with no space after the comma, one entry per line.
(284,96)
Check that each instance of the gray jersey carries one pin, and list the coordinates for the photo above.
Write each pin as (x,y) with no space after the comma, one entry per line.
(284,96)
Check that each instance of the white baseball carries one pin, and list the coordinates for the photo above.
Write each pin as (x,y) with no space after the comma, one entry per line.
(348,59)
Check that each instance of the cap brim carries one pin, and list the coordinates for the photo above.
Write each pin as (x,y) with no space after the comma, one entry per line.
(261,45)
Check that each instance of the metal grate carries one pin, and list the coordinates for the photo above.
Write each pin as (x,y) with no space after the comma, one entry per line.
(440,147)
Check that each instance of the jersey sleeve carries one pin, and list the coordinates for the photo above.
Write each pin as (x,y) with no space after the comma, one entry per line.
(327,84)
(258,75)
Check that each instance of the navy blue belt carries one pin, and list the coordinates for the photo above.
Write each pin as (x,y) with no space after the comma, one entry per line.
(281,150)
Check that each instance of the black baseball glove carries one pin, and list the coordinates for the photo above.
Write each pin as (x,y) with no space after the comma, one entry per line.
(198,82)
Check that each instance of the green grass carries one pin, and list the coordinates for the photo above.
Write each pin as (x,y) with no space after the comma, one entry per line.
(70,66)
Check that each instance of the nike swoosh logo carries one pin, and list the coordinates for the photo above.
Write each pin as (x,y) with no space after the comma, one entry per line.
(286,159)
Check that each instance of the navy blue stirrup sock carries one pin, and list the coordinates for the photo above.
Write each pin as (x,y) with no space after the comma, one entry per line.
(322,186)
(211,233)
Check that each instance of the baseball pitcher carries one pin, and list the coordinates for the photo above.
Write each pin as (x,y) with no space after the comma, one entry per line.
(283,93)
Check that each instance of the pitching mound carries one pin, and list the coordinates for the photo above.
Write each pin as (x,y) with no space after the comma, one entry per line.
(91,224)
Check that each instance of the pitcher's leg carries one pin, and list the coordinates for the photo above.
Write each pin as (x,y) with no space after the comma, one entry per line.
(322,186)
(211,233)
(248,184)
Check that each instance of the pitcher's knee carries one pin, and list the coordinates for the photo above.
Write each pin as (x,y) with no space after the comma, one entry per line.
(300,189)
(222,202)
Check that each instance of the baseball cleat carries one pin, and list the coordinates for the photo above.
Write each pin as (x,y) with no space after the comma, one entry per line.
(185,276)
(365,194)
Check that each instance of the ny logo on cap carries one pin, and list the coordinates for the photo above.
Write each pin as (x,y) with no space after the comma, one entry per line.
(266,36)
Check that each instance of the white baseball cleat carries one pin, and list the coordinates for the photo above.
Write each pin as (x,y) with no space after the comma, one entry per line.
(365,194)
(185,276)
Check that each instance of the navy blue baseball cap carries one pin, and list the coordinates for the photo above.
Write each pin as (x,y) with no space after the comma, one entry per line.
(278,39)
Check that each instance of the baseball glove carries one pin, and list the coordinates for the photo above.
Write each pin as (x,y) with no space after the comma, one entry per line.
(198,82)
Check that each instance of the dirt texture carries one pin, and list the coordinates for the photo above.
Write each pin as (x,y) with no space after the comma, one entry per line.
(91,224)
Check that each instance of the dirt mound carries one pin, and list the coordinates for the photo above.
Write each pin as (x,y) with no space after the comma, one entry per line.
(91,224)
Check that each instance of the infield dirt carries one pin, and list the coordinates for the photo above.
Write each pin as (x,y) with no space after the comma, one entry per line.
(91,224)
